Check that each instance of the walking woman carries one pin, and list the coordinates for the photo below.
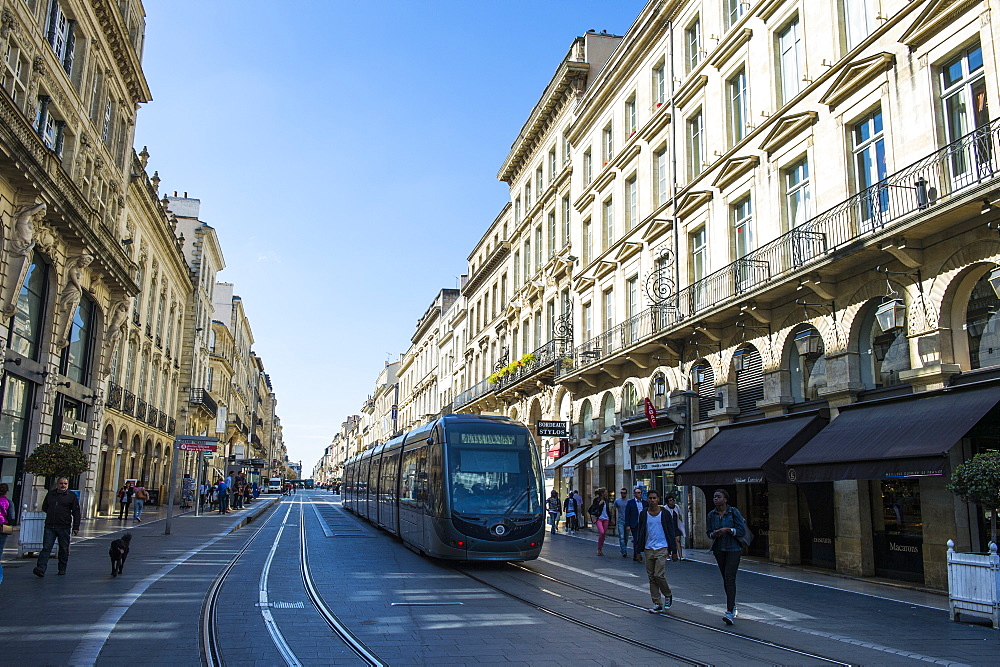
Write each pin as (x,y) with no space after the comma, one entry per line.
(6,519)
(726,528)
(124,500)
(140,497)
(600,510)
(554,507)
(571,510)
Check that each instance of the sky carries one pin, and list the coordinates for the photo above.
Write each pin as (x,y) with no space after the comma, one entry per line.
(347,155)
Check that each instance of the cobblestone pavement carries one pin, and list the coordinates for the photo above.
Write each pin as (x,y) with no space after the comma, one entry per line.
(413,610)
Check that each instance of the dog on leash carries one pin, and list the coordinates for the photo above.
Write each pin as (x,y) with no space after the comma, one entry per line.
(119,552)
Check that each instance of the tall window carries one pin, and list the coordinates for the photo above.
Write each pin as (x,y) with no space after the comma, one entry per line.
(26,324)
(742,227)
(539,247)
(797,193)
(527,197)
(588,241)
(608,143)
(859,20)
(527,259)
(963,92)
(631,203)
(734,9)
(739,114)
(791,60)
(692,44)
(76,356)
(608,220)
(539,180)
(517,209)
(15,72)
(609,309)
(552,233)
(699,254)
(552,164)
(538,329)
(565,220)
(631,118)
(695,144)
(60,35)
(660,176)
(660,84)
(632,305)
(567,150)
(869,162)
(588,321)
(517,269)
(588,167)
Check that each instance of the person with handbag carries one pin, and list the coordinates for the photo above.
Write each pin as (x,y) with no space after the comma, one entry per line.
(125,495)
(728,532)
(6,520)
(139,497)
(554,507)
(601,512)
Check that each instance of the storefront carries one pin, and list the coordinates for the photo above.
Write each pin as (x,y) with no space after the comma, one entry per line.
(745,459)
(654,454)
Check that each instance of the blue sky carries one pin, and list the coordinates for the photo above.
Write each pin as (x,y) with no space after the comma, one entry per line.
(346,153)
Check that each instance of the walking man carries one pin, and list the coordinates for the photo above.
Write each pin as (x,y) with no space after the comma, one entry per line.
(656,536)
(223,491)
(62,514)
(634,508)
(621,509)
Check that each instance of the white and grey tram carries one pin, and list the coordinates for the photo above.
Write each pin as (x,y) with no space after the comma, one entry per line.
(465,487)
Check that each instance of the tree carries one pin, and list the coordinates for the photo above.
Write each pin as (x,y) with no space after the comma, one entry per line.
(978,481)
(53,458)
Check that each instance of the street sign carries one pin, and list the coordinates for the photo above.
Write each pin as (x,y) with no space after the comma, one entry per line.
(197,447)
(552,429)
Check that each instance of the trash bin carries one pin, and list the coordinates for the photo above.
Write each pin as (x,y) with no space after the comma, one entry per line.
(31,532)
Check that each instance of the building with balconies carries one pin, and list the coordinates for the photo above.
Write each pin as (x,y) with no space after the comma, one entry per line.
(418,367)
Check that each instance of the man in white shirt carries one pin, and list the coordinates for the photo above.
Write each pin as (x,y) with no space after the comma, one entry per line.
(654,537)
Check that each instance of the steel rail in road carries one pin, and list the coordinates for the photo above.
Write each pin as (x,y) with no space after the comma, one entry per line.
(685,621)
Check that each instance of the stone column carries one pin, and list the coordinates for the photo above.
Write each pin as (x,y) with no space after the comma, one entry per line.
(852,517)
(783,523)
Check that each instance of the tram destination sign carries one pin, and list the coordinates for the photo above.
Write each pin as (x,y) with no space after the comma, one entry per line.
(552,429)
(197,443)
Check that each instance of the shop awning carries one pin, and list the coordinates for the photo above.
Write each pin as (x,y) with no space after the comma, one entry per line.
(751,452)
(907,436)
(578,457)
(661,435)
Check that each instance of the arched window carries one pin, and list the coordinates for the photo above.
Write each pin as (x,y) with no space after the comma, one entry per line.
(26,323)
(703,381)
(882,355)
(587,419)
(982,324)
(608,411)
(749,378)
(807,365)
(630,400)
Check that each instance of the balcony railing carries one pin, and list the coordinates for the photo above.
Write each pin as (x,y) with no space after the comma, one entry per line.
(171,426)
(162,423)
(152,416)
(477,390)
(140,409)
(128,403)
(544,357)
(205,400)
(237,421)
(115,395)
(957,168)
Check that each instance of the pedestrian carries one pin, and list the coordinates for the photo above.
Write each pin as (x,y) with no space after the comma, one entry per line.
(213,497)
(726,528)
(223,491)
(62,514)
(621,509)
(203,492)
(672,507)
(601,511)
(655,538)
(570,507)
(6,520)
(581,521)
(125,500)
(140,497)
(635,507)
(554,506)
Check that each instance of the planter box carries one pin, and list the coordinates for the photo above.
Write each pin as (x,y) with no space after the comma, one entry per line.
(30,533)
(974,584)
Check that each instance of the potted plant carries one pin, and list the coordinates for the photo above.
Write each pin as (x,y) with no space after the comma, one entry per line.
(528,358)
(51,459)
(974,579)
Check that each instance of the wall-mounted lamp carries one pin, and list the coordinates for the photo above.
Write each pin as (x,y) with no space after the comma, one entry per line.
(571,258)
(995,281)
(16,361)
(741,359)
(127,241)
(987,207)
(66,384)
(90,397)
(809,344)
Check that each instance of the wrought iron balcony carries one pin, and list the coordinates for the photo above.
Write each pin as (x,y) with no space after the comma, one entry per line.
(128,403)
(203,399)
(152,416)
(171,426)
(901,199)
(115,395)
(477,390)
(140,409)
(162,422)
(541,359)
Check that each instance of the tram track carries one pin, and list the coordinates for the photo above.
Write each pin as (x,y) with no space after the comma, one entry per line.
(673,618)
(212,649)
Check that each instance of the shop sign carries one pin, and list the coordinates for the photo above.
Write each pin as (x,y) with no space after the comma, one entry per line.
(657,465)
(650,412)
(197,447)
(550,429)
(756,479)
(71,428)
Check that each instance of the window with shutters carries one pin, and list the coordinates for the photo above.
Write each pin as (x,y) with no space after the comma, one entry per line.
(703,381)
(61,35)
(749,378)
(15,72)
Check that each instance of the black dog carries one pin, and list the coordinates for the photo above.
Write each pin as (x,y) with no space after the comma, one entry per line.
(119,552)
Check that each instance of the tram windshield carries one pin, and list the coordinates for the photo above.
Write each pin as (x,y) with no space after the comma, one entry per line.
(493,470)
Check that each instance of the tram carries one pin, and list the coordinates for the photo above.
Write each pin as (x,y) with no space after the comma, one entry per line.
(464,487)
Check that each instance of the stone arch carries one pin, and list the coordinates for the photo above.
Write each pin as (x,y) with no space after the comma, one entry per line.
(852,315)
(953,343)
(534,412)
(792,325)
(978,252)
(608,405)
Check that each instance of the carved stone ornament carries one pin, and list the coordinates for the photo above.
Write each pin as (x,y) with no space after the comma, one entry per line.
(69,297)
(8,23)
(19,254)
